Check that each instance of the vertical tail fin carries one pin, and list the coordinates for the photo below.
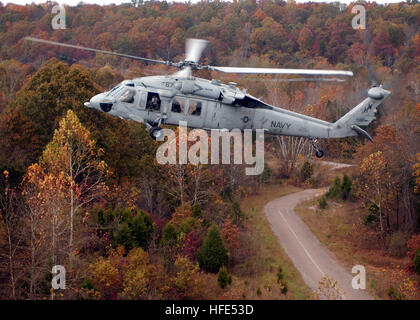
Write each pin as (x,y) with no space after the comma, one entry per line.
(361,115)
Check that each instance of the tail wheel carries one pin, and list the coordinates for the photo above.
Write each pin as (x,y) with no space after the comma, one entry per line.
(319,154)
(156,133)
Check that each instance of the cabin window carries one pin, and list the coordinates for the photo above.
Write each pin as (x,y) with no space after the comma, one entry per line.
(178,105)
(127,96)
(195,108)
(153,101)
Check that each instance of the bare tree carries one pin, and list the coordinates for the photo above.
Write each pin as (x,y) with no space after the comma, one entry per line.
(11,227)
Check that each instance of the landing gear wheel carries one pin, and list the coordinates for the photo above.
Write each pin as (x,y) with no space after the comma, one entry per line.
(156,133)
(318,152)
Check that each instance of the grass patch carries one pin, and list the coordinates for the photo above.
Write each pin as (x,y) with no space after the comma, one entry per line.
(339,228)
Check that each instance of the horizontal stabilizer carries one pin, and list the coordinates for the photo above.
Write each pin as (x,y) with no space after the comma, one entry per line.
(361,132)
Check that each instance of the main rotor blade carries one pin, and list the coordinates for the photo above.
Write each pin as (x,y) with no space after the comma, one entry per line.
(97,50)
(297,79)
(194,48)
(281,71)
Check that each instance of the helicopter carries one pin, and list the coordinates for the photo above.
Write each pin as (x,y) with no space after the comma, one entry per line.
(210,104)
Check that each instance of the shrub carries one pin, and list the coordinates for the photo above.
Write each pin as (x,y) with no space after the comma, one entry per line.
(212,253)
(393,293)
(373,212)
(196,210)
(416,261)
(267,174)
(258,291)
(134,231)
(236,212)
(227,194)
(283,287)
(169,235)
(315,181)
(335,189)
(279,274)
(223,279)
(413,244)
(142,228)
(322,203)
(306,171)
(340,189)
(397,246)
(187,225)
(123,237)
(345,187)
(191,245)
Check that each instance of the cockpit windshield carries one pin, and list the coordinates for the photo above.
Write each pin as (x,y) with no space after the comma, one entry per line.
(127,96)
(114,90)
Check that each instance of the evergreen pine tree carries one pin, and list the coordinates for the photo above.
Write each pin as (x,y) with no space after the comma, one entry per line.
(212,253)
(223,277)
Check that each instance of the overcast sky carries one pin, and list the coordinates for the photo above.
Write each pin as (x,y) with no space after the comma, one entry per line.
(75,2)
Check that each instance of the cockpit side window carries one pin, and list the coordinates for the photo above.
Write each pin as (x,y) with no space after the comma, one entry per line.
(153,101)
(127,96)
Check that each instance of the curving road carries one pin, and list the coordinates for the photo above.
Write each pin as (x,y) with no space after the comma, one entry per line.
(308,255)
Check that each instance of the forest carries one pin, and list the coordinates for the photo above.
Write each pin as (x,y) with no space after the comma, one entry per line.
(82,189)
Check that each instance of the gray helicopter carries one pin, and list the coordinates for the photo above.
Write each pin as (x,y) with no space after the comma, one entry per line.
(169,99)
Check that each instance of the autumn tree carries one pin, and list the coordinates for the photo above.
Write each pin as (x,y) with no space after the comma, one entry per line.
(12,76)
(137,275)
(28,124)
(125,276)
(69,177)
(399,153)
(192,244)
(417,174)
(11,235)
(230,233)
(73,155)
(47,96)
(288,149)
(187,281)
(374,183)
(45,225)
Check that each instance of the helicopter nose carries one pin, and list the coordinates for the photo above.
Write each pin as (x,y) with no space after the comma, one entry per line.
(99,102)
(93,102)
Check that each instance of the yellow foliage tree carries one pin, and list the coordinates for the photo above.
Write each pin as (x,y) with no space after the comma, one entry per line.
(187,280)
(73,155)
(417,174)
(375,184)
(45,221)
(69,177)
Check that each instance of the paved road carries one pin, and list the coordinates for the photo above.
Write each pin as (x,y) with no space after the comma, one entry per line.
(335,165)
(308,255)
